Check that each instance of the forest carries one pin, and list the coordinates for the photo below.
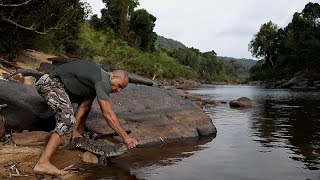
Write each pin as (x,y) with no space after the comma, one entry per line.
(122,37)
(289,50)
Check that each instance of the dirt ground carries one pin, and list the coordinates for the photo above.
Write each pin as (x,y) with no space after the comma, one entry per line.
(16,162)
(26,59)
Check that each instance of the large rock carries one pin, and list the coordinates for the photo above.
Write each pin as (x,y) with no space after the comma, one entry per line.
(33,138)
(133,78)
(26,109)
(242,102)
(152,114)
(2,129)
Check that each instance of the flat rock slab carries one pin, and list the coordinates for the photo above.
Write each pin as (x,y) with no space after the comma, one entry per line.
(151,114)
(33,138)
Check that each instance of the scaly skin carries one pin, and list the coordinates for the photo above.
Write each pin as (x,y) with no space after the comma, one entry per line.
(98,147)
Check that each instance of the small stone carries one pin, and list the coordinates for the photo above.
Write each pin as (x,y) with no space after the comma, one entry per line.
(29,80)
(88,157)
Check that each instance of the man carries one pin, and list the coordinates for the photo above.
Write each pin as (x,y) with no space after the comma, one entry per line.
(81,81)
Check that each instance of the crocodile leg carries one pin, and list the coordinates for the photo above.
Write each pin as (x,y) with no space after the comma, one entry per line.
(104,160)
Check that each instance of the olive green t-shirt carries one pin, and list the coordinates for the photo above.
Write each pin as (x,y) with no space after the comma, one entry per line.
(84,78)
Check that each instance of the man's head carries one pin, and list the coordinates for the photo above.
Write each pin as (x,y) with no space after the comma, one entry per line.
(118,80)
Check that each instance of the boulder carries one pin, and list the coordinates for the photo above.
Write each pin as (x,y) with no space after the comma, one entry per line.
(2,129)
(26,109)
(149,112)
(242,102)
(33,138)
(153,114)
(133,78)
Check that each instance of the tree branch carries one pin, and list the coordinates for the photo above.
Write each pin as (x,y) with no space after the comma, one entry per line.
(33,28)
(15,5)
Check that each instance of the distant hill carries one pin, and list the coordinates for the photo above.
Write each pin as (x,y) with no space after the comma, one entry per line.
(166,43)
(163,42)
(246,63)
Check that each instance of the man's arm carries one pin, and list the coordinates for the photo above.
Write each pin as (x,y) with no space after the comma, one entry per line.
(81,115)
(114,123)
(84,108)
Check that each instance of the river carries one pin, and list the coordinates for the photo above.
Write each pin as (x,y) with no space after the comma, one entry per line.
(279,138)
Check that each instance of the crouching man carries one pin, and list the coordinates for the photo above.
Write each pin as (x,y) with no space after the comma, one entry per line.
(83,81)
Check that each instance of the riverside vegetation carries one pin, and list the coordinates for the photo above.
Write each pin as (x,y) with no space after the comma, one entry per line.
(122,37)
(292,51)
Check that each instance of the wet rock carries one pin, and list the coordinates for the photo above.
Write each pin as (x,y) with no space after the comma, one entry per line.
(242,102)
(33,138)
(88,157)
(2,129)
(149,112)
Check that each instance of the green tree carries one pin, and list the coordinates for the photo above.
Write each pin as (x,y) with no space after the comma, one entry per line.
(116,16)
(21,23)
(264,43)
(142,24)
(304,37)
(291,49)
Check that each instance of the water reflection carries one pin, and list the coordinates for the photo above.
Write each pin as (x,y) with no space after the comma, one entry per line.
(291,122)
(126,166)
(277,139)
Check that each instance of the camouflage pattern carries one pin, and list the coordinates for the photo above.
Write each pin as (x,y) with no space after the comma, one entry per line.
(53,91)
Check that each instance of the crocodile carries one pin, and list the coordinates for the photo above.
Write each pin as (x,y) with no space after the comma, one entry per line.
(98,147)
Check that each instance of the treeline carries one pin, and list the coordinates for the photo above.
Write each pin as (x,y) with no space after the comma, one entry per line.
(285,51)
(208,66)
(123,37)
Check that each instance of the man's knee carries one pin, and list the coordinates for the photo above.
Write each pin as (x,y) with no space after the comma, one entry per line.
(64,131)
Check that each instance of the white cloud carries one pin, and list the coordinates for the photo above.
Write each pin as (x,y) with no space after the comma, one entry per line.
(223,26)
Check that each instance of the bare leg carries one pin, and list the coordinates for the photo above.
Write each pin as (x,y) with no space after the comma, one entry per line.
(44,165)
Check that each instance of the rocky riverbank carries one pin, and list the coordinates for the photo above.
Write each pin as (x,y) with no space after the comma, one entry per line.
(299,81)
(155,113)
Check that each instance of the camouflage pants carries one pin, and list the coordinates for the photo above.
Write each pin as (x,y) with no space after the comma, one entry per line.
(53,91)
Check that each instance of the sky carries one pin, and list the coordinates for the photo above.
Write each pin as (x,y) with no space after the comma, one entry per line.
(227,26)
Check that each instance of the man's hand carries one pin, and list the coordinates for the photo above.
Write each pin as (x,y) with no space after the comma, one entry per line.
(131,143)
(114,123)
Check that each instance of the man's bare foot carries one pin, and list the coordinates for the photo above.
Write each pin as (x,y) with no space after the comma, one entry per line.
(47,168)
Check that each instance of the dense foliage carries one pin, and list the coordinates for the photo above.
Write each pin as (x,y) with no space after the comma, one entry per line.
(288,50)
(23,22)
(245,63)
(123,37)
(165,43)
(208,65)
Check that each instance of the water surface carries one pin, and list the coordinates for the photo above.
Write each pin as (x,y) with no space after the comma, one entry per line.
(279,138)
